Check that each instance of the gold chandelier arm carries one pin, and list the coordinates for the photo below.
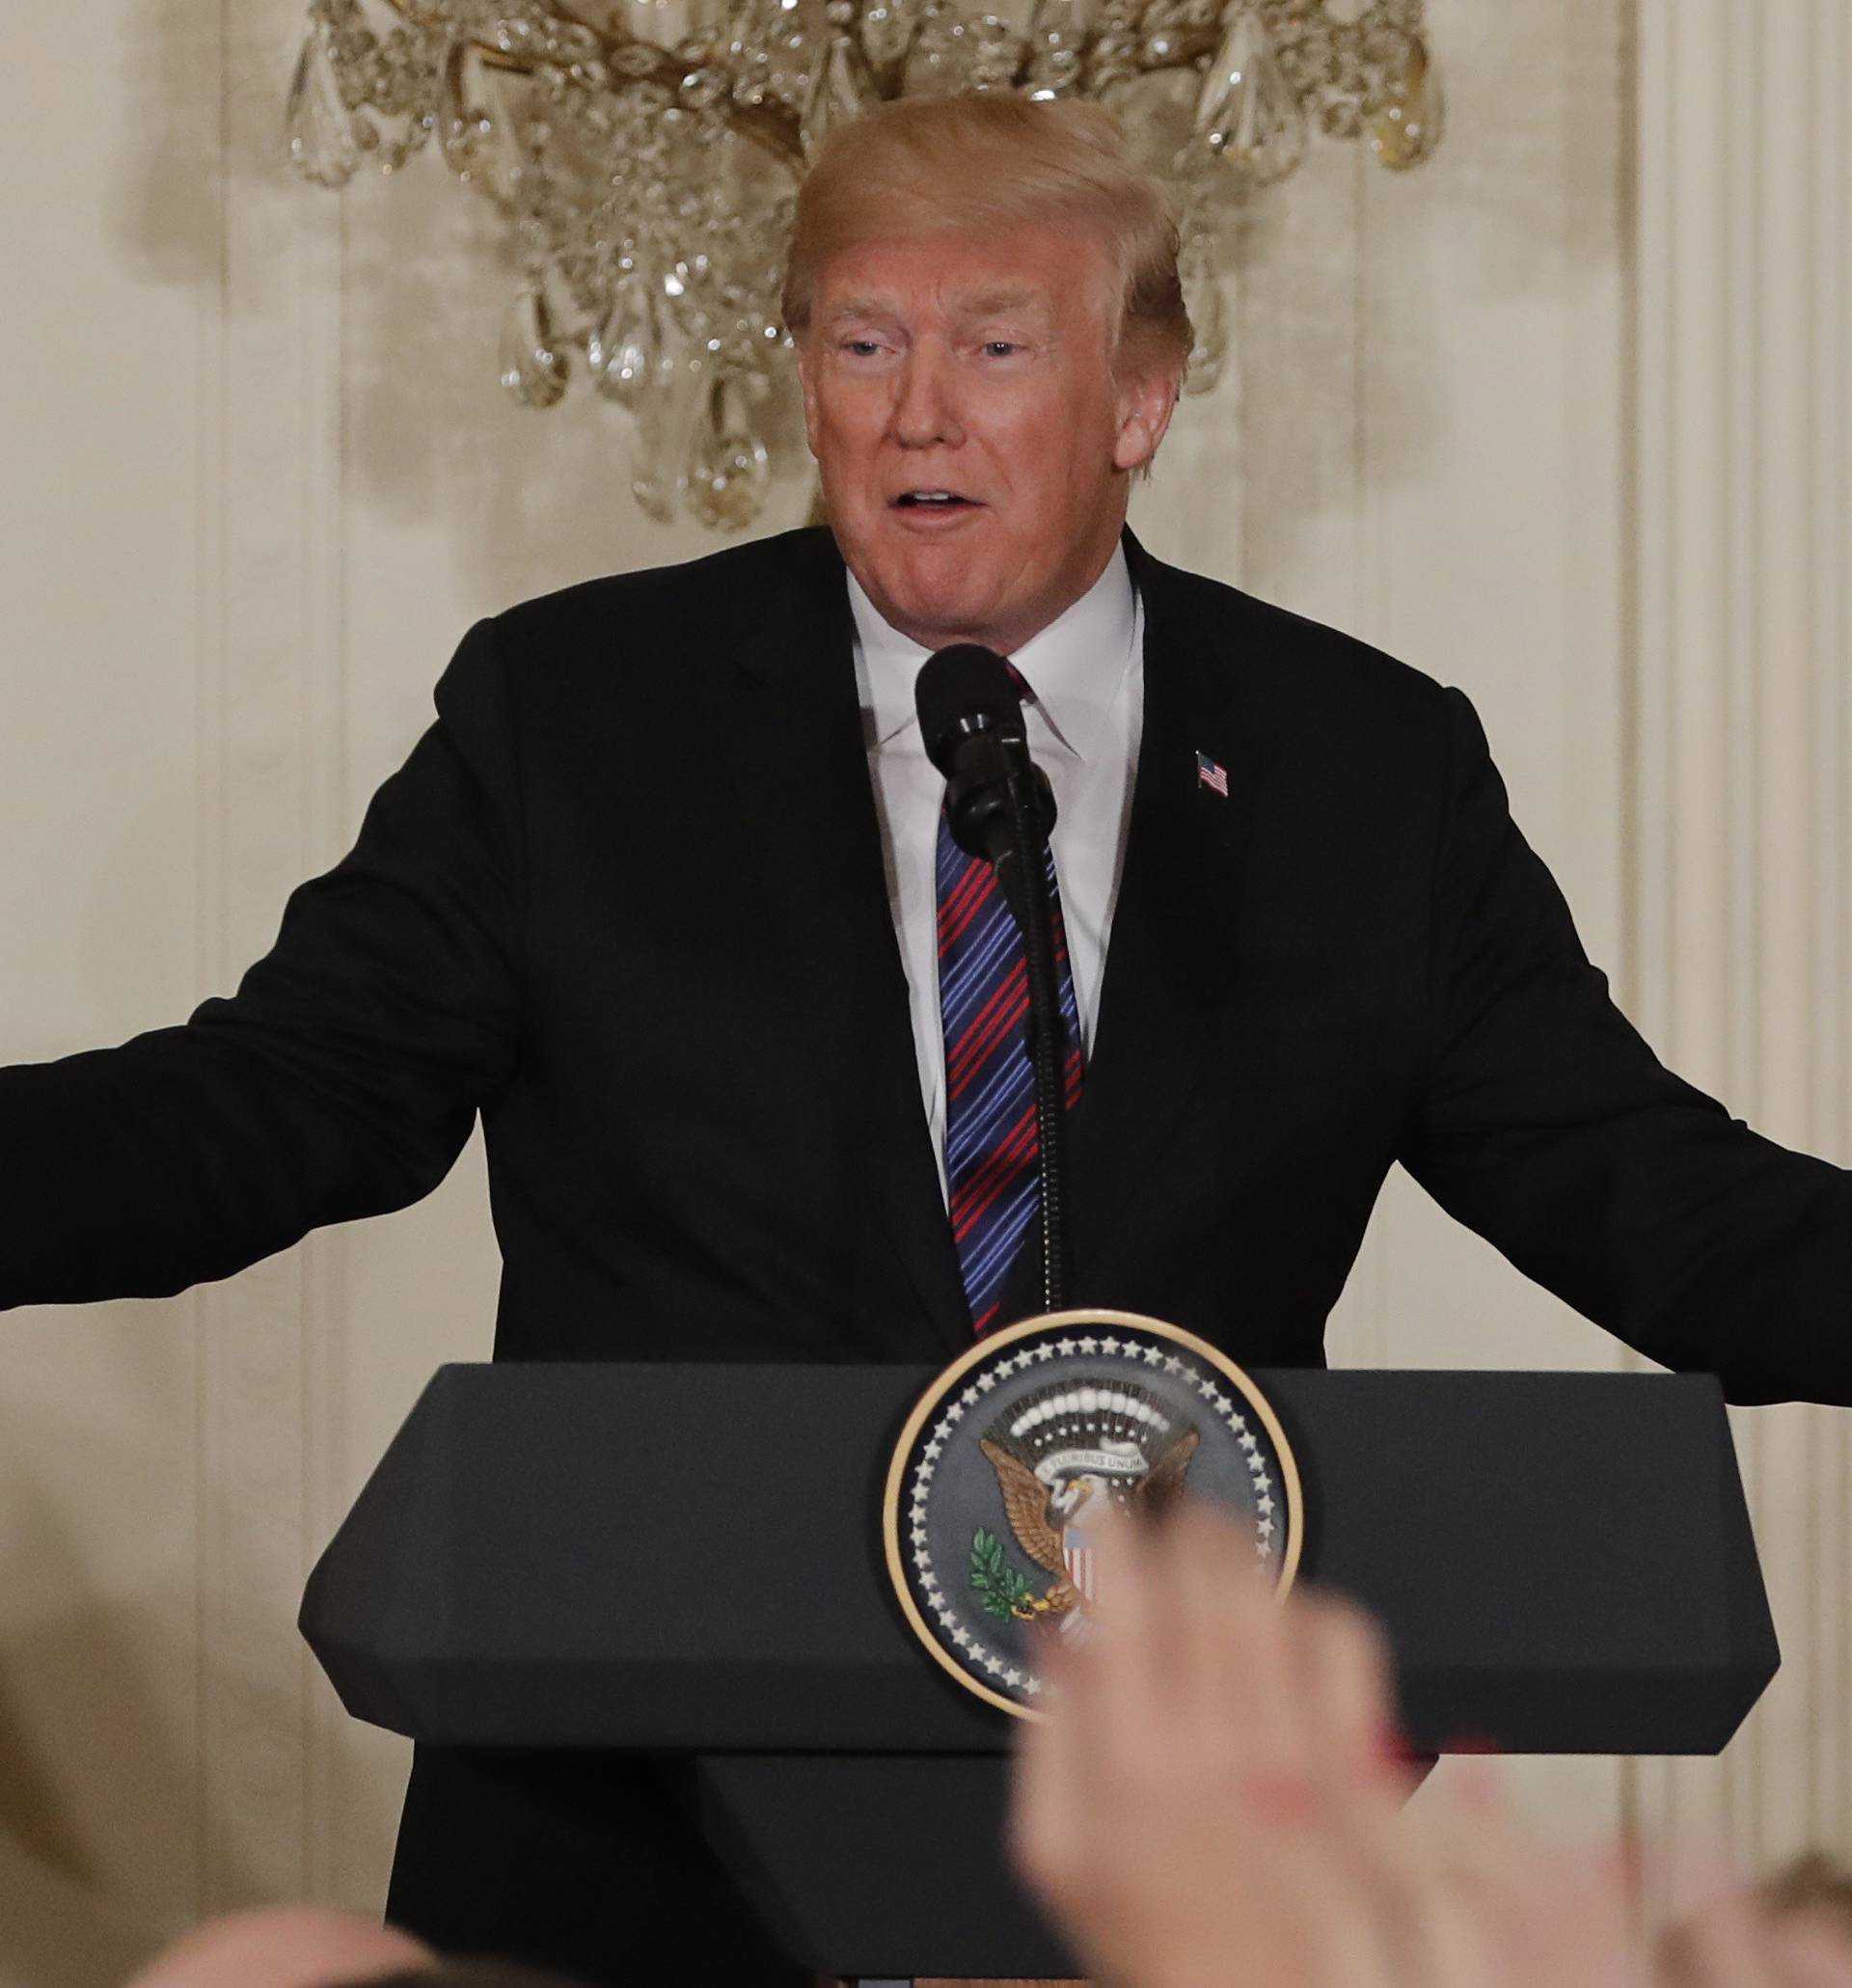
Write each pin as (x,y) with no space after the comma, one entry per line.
(634,60)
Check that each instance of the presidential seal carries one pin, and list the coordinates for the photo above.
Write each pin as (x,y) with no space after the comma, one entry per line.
(1018,1449)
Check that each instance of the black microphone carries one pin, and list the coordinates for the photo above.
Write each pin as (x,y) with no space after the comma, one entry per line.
(970,716)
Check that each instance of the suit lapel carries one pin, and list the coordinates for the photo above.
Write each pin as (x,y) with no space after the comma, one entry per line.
(1170,954)
(823,898)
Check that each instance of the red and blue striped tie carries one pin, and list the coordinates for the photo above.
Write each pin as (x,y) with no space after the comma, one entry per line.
(991,1142)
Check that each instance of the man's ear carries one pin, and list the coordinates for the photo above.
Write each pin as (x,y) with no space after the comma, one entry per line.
(1147,399)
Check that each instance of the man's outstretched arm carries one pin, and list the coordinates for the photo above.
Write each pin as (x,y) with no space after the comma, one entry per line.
(340,1080)
(1550,1127)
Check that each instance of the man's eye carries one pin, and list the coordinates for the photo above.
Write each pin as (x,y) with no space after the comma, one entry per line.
(862,349)
(1001,348)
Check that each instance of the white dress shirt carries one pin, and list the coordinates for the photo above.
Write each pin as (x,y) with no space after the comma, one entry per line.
(1086,670)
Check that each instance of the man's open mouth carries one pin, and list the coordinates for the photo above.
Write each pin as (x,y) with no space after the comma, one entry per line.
(934,501)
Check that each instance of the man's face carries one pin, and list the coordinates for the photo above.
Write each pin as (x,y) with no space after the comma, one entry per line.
(974,445)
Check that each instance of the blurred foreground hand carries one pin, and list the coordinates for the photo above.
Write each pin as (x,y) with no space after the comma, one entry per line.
(285,1946)
(1216,1800)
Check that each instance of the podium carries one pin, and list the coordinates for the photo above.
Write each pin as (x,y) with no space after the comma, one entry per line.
(687,1560)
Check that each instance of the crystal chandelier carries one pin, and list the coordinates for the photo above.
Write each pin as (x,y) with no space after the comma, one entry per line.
(647,165)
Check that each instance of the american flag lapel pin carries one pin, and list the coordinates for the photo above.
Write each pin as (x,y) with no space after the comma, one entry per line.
(1211,775)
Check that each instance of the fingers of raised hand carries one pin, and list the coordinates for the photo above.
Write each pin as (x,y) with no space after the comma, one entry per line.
(1198,1709)
(1143,1777)
(1346,1689)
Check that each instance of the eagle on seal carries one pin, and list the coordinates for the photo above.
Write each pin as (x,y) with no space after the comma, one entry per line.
(1049,1512)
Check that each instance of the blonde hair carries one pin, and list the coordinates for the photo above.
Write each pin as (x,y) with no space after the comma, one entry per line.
(990,163)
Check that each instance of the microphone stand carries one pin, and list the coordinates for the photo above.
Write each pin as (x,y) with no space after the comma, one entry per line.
(1022,872)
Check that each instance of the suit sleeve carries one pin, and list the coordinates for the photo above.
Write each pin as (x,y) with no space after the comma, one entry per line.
(340,1080)
(1550,1127)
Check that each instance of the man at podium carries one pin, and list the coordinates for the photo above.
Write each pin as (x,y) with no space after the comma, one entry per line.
(666,898)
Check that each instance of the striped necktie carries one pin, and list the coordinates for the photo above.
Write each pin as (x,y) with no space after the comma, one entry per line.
(990,1141)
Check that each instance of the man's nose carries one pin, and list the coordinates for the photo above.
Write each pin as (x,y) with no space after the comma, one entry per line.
(926,408)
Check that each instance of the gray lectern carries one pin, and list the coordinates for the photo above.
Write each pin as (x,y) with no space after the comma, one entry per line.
(1562,1561)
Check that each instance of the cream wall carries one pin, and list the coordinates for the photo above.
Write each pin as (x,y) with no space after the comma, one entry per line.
(1521,418)
(1740,781)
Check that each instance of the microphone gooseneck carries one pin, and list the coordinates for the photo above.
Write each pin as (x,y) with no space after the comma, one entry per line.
(1000,806)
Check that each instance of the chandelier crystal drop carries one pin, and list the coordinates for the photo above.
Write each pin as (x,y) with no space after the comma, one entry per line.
(647,162)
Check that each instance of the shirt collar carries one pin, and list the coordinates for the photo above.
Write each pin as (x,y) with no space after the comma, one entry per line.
(1074,667)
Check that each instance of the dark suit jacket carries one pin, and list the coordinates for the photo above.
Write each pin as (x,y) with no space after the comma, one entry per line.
(625,899)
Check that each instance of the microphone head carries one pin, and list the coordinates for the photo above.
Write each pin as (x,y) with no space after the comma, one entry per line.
(961,691)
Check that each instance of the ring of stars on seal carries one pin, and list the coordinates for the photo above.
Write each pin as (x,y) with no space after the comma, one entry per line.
(1019,1446)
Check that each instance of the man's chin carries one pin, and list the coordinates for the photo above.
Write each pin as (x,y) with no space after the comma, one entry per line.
(934,619)
(932,602)
(934,589)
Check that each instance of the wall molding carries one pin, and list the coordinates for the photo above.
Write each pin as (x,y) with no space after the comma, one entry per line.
(272,800)
(1741,896)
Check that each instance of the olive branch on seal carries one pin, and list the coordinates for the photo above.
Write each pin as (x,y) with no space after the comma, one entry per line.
(1002,1587)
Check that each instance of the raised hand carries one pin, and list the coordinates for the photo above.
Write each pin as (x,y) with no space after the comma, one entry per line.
(1217,1799)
